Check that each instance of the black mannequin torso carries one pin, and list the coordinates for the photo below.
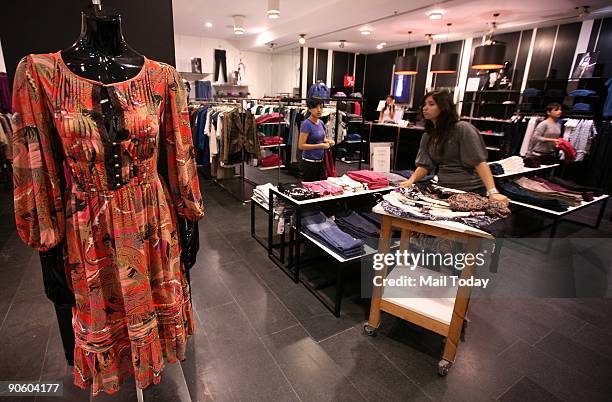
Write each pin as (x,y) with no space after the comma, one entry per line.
(101,53)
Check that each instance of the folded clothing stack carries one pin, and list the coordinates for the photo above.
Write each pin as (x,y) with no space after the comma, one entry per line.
(297,191)
(323,188)
(357,226)
(407,173)
(394,178)
(496,169)
(348,184)
(586,195)
(539,160)
(516,193)
(513,164)
(371,179)
(274,140)
(270,118)
(325,230)
(270,161)
(352,137)
(575,187)
(542,190)
(261,193)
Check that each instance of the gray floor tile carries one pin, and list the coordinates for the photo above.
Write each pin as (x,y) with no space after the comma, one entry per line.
(313,374)
(527,390)
(266,313)
(371,373)
(595,339)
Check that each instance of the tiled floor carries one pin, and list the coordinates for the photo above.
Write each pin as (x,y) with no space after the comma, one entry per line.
(261,337)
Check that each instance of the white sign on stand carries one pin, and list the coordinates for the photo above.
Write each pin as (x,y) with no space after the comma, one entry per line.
(380,156)
(472,84)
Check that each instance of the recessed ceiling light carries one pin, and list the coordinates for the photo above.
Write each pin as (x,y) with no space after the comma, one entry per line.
(302,39)
(435,14)
(342,43)
(273,9)
(366,31)
(208,25)
(383,44)
(379,46)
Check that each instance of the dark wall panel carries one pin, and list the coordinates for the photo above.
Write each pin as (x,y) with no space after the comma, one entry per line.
(35,27)
(310,69)
(523,52)
(567,39)
(594,34)
(321,73)
(360,73)
(379,70)
(542,50)
(421,78)
(604,46)
(342,64)
(448,80)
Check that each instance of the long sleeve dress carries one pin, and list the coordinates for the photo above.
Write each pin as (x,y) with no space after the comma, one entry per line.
(116,216)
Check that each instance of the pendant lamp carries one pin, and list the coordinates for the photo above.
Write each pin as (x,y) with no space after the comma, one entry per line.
(445,63)
(489,57)
(406,65)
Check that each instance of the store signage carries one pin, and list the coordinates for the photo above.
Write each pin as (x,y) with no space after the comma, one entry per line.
(380,156)
(349,81)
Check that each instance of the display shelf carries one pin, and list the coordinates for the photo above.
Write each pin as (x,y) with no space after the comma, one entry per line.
(265,207)
(193,76)
(351,162)
(276,124)
(351,142)
(496,149)
(423,300)
(271,167)
(499,91)
(525,171)
(493,134)
(368,250)
(272,146)
(561,213)
(484,119)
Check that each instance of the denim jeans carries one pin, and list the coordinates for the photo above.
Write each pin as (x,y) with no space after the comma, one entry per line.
(324,229)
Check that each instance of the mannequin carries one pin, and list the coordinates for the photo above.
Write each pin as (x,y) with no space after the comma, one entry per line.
(101,54)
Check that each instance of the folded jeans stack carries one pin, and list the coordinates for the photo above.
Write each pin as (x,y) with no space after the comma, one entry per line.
(323,187)
(325,230)
(271,161)
(496,169)
(516,193)
(357,226)
(371,179)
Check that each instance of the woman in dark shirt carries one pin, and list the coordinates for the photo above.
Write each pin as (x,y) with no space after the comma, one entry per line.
(452,149)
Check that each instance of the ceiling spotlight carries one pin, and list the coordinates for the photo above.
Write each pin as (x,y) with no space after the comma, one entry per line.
(429,38)
(238,24)
(302,39)
(208,25)
(383,44)
(435,14)
(583,11)
(342,43)
(273,9)
(379,46)
(366,31)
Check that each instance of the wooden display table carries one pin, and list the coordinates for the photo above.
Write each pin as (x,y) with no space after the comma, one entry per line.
(442,315)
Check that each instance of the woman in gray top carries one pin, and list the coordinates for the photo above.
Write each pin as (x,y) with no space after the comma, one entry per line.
(452,149)
(547,133)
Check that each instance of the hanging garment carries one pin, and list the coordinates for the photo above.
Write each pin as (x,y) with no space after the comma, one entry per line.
(568,150)
(607,109)
(239,132)
(318,90)
(220,62)
(203,89)
(5,95)
(330,165)
(118,220)
(528,133)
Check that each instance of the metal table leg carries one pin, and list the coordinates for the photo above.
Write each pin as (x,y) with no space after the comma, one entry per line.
(602,210)
(339,290)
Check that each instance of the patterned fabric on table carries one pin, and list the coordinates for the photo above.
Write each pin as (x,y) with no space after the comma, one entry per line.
(116,219)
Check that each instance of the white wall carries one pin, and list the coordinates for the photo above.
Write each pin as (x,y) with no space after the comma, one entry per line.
(285,72)
(258,65)
(2,65)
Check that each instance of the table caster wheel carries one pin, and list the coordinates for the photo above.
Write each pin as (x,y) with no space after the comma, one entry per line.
(443,367)
(369,330)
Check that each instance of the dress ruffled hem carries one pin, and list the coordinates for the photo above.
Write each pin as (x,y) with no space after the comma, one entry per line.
(105,371)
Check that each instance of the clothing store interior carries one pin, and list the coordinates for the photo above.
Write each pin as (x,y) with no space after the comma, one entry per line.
(272,200)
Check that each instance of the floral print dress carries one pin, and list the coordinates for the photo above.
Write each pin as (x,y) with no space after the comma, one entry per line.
(111,201)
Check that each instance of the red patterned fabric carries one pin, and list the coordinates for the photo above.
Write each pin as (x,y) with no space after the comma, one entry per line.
(117,221)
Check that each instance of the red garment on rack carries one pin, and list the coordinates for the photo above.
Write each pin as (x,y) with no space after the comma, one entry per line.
(272,160)
(269,118)
(330,166)
(274,140)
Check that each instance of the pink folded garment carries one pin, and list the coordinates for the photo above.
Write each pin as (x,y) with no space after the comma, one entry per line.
(323,188)
(274,140)
(372,179)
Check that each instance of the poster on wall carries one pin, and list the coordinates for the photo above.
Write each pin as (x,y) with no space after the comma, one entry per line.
(585,65)
(349,81)
(196,65)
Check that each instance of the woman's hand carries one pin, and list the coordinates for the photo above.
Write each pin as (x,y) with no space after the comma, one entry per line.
(330,142)
(325,145)
(407,183)
(499,197)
